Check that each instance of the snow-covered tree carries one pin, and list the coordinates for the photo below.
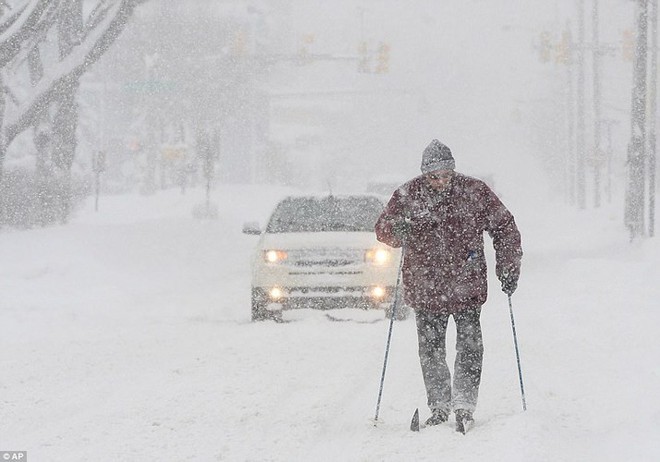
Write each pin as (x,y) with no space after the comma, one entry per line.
(45,48)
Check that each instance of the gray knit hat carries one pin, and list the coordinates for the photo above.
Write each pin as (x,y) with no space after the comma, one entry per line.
(437,156)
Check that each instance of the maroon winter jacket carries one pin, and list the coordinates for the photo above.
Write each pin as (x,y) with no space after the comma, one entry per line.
(444,267)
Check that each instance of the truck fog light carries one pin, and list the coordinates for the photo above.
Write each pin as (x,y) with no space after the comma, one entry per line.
(377,292)
(276,293)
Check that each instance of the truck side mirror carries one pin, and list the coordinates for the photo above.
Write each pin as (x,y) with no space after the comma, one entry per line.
(252,228)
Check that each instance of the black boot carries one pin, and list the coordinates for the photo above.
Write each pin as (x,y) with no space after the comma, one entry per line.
(438,416)
(464,420)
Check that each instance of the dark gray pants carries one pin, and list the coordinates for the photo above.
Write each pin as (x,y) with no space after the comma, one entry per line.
(431,334)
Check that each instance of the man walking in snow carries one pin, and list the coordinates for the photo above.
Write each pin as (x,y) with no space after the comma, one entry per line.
(439,219)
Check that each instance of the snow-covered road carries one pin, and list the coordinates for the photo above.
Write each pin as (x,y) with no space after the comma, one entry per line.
(126,336)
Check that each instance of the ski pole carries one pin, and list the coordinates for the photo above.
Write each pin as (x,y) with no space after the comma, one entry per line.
(515,343)
(389,334)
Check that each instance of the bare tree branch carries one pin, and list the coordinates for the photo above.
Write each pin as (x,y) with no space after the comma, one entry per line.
(66,73)
(22,28)
(96,16)
(7,23)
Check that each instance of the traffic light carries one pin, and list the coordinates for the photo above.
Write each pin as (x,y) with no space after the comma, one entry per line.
(303,51)
(545,47)
(363,58)
(308,39)
(563,49)
(383,59)
(239,43)
(628,45)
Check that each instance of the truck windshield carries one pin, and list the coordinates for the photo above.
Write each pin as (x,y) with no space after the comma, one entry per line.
(319,214)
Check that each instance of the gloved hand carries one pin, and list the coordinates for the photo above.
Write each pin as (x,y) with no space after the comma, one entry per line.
(401,229)
(509,282)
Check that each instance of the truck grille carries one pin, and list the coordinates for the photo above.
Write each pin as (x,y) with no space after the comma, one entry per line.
(325,258)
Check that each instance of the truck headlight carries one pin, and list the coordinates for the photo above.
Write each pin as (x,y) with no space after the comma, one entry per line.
(378,256)
(276,294)
(274,256)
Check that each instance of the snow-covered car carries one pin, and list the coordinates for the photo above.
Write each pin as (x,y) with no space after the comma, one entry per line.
(322,252)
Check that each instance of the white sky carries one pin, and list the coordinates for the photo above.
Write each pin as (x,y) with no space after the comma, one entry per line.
(466,72)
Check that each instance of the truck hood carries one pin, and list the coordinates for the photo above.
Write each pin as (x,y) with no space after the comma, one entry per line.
(347,240)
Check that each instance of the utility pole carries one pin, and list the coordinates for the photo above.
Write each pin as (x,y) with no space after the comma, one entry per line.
(580,126)
(609,153)
(567,40)
(98,167)
(652,114)
(597,102)
(634,206)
